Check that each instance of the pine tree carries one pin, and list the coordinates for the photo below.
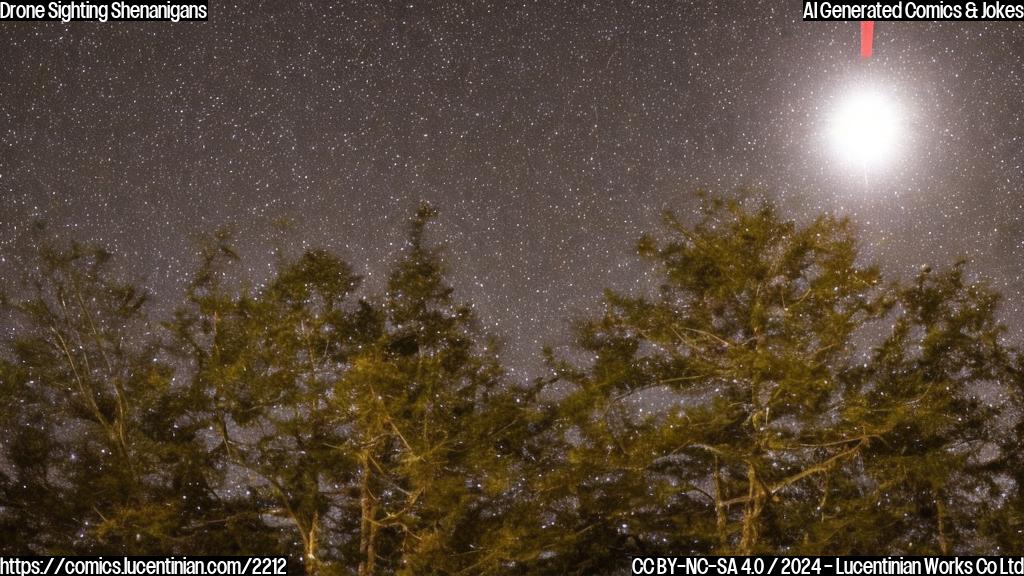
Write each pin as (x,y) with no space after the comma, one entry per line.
(938,465)
(382,439)
(781,412)
(1003,525)
(439,429)
(96,463)
(267,363)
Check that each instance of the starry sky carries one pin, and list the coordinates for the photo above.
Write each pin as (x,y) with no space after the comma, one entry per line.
(549,134)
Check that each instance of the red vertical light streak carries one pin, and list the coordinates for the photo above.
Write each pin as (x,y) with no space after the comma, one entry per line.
(867,37)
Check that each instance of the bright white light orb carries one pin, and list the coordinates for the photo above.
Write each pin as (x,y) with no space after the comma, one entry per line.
(865,130)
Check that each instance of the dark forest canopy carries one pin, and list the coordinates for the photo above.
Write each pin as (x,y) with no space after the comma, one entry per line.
(809,406)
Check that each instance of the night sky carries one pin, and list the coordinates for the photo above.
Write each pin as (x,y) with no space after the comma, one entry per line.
(549,134)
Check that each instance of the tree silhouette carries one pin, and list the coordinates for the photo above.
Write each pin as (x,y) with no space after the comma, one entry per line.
(802,405)
(98,461)
(808,406)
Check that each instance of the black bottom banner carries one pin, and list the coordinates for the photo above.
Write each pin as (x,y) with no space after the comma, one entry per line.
(143,565)
(827,565)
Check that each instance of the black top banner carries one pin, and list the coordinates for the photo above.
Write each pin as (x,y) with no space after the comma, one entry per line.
(105,11)
(925,10)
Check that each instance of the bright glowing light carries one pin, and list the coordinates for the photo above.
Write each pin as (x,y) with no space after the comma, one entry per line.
(865,130)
